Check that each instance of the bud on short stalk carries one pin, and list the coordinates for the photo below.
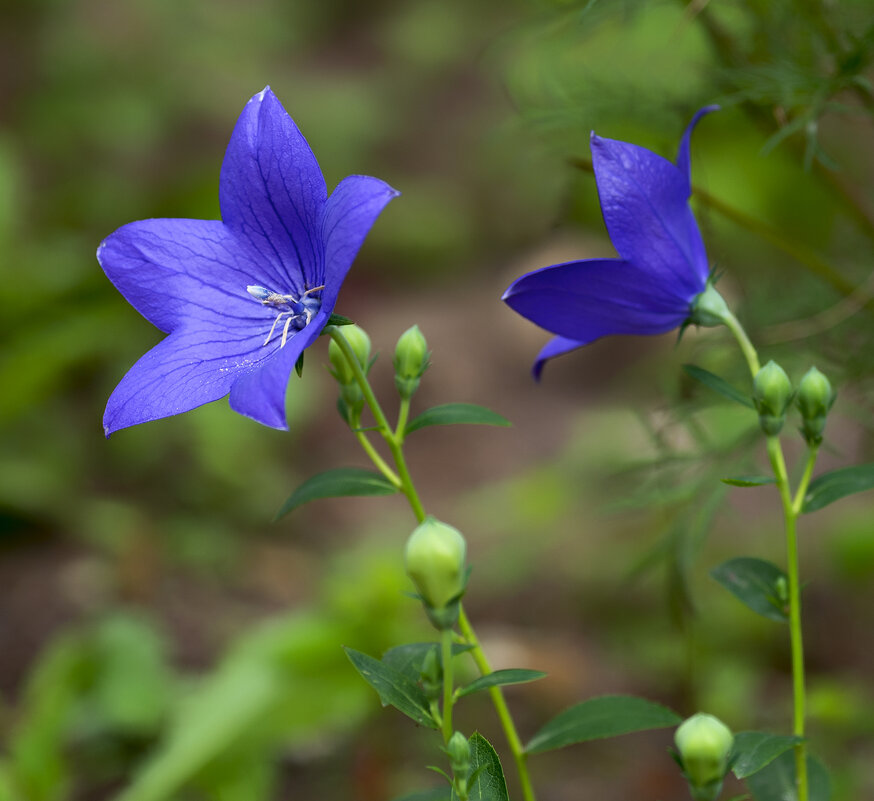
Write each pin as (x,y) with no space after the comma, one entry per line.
(434,558)
(360,344)
(704,745)
(772,394)
(814,400)
(458,750)
(410,361)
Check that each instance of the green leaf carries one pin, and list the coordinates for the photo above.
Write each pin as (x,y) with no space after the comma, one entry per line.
(409,658)
(607,716)
(393,687)
(755,583)
(718,384)
(487,776)
(453,413)
(337,483)
(776,782)
(749,481)
(837,484)
(501,677)
(754,750)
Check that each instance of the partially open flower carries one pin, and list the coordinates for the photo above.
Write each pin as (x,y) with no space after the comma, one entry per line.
(662,267)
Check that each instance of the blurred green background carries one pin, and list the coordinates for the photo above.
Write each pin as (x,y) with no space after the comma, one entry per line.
(161,638)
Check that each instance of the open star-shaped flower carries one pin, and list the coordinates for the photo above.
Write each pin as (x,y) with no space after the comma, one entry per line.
(662,265)
(241,297)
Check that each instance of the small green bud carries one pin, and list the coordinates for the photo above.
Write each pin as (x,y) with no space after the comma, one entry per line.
(815,399)
(360,344)
(431,674)
(772,394)
(709,308)
(704,744)
(458,749)
(410,361)
(434,558)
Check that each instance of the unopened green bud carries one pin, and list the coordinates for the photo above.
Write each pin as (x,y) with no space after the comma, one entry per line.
(704,744)
(458,750)
(410,361)
(814,400)
(772,393)
(431,674)
(709,309)
(434,560)
(360,344)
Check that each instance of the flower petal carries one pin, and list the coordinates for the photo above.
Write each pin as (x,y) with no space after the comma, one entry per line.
(555,347)
(348,217)
(170,270)
(586,300)
(271,192)
(259,393)
(190,367)
(683,162)
(644,203)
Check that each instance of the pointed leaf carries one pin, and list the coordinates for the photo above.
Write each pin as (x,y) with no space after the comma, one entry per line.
(776,782)
(337,483)
(607,716)
(501,677)
(487,781)
(718,384)
(749,481)
(393,687)
(753,750)
(756,583)
(338,319)
(453,413)
(837,484)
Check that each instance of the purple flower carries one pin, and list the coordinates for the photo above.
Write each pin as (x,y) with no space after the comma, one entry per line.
(662,267)
(241,297)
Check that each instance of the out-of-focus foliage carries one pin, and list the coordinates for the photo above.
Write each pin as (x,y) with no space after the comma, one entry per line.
(137,573)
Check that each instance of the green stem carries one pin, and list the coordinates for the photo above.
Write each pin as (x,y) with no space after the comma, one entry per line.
(482,662)
(403,416)
(448,699)
(395,439)
(775,454)
(798,503)
(749,352)
(380,463)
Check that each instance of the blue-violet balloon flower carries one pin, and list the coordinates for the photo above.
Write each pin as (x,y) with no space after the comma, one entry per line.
(662,266)
(241,297)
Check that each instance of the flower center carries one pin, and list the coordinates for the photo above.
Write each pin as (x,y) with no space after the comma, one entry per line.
(296,312)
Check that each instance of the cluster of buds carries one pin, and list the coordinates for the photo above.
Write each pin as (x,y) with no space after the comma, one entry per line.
(704,745)
(435,561)
(773,394)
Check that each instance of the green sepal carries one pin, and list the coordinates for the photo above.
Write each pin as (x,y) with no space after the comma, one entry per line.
(337,483)
(393,687)
(758,584)
(500,678)
(754,750)
(749,481)
(599,718)
(837,484)
(298,366)
(454,414)
(776,782)
(337,319)
(718,384)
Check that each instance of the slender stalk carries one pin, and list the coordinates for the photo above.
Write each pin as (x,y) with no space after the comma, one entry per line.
(394,439)
(448,698)
(775,454)
(482,662)
(749,352)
